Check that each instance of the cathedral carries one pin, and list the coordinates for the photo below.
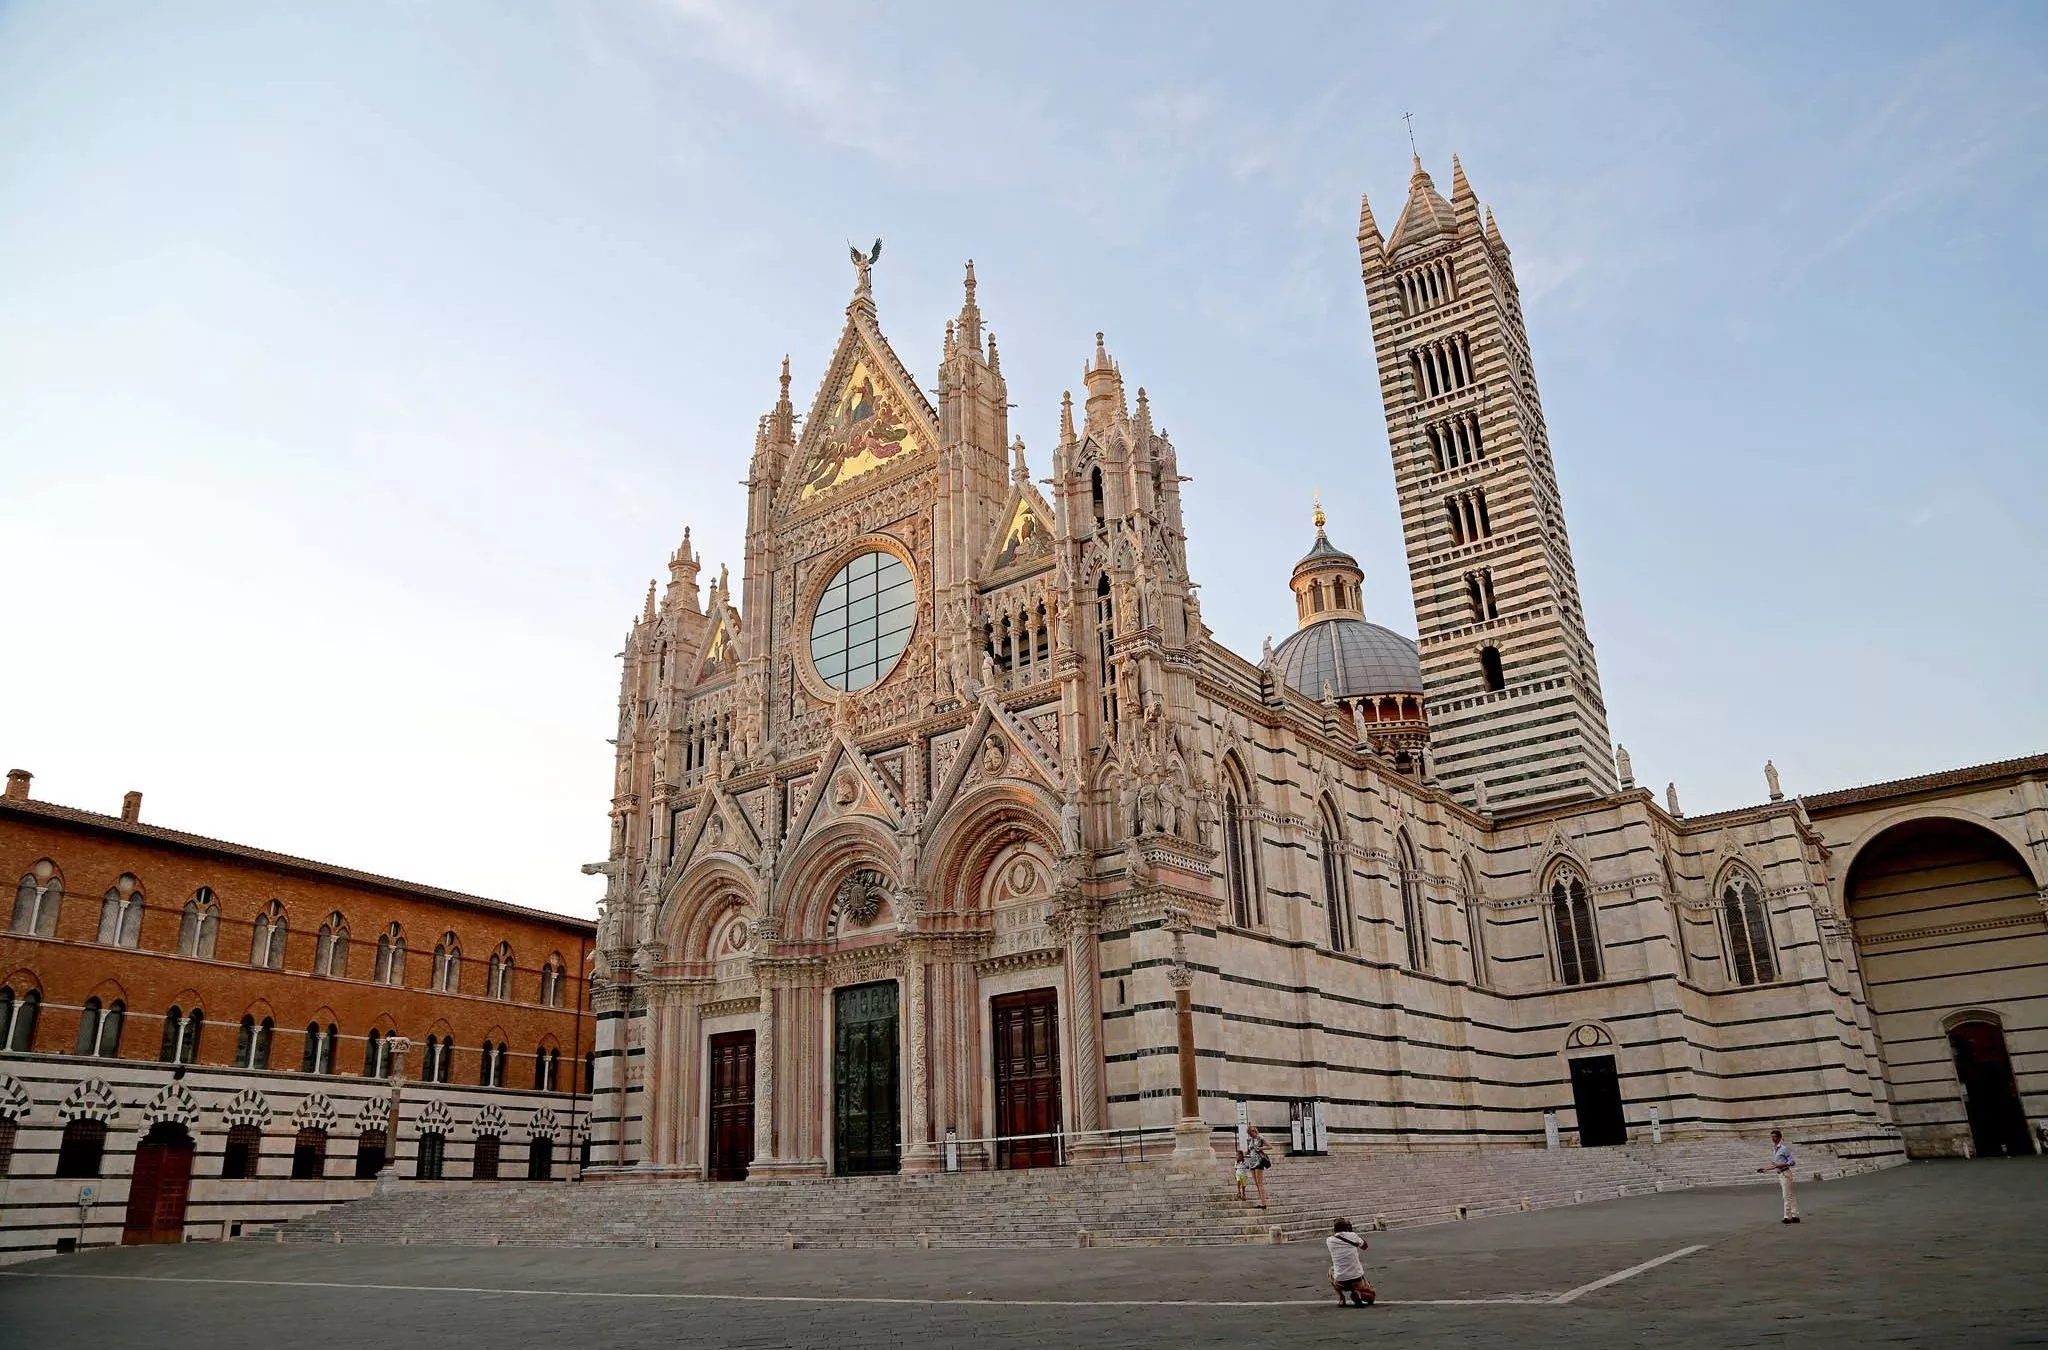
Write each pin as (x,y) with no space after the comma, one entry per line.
(952,838)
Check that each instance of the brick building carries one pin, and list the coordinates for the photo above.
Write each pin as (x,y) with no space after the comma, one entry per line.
(175,1006)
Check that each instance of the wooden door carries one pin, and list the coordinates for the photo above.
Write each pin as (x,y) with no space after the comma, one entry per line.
(866,1115)
(732,1105)
(1596,1092)
(1027,1062)
(159,1186)
(1998,1123)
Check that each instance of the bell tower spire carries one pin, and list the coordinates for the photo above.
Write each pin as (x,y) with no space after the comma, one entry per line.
(1513,693)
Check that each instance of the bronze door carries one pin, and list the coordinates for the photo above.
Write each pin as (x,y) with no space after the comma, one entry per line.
(732,1105)
(866,1135)
(1027,1062)
(159,1186)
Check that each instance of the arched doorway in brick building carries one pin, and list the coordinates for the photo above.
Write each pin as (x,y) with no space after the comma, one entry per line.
(160,1185)
(1953,947)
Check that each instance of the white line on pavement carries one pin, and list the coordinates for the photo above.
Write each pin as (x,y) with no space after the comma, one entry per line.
(1618,1276)
(1524,1299)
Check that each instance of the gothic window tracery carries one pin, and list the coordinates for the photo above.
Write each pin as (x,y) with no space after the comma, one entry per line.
(498,975)
(1414,916)
(1336,897)
(99,1028)
(199,925)
(17,1017)
(330,952)
(252,1042)
(1751,953)
(1572,927)
(266,937)
(448,964)
(121,913)
(37,900)
(391,956)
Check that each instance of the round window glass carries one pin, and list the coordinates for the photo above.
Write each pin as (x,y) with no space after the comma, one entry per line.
(863,621)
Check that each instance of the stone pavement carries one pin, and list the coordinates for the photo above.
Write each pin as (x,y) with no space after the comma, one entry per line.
(1948,1254)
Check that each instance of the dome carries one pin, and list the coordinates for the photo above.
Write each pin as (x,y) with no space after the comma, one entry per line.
(1354,658)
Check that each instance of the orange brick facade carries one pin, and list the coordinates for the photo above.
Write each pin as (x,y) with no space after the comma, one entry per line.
(91,853)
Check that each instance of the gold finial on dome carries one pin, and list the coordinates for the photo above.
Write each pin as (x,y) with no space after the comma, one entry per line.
(1321,519)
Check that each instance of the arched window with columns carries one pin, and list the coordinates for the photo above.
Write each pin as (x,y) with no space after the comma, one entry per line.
(330,953)
(37,900)
(121,913)
(1752,956)
(1241,848)
(199,925)
(1414,910)
(1336,895)
(1573,927)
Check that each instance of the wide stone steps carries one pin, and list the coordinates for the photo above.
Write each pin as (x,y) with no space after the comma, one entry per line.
(1110,1205)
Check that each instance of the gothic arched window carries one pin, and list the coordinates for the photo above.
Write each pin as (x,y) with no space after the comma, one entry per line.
(498,978)
(551,982)
(318,1055)
(391,956)
(199,924)
(37,900)
(1414,915)
(252,1043)
(1750,950)
(448,964)
(99,1028)
(18,1018)
(1475,923)
(266,938)
(1240,857)
(181,1036)
(330,953)
(1336,899)
(1571,921)
(121,913)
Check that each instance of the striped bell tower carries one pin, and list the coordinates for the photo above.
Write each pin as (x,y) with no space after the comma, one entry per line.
(1513,693)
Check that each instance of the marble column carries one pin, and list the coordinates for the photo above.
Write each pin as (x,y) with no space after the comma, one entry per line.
(765,1111)
(1191,1148)
(608,1092)
(918,1153)
(680,1084)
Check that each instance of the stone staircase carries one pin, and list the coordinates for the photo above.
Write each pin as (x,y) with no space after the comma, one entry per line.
(1149,1203)
(1394,1190)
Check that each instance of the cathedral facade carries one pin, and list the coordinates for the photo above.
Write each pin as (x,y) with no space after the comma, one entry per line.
(952,838)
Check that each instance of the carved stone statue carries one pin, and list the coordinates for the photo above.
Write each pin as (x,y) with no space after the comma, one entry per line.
(1771,781)
(1070,823)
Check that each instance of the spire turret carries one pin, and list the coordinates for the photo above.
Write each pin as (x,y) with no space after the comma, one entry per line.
(1371,247)
(1464,201)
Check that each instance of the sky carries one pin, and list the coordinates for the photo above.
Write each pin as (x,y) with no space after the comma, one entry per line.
(359,364)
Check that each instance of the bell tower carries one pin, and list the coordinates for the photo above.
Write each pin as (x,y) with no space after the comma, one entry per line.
(1508,671)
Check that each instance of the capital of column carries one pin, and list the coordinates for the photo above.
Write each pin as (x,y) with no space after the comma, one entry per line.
(609,996)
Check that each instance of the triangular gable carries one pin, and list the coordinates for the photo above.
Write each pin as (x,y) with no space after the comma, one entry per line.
(869,415)
(820,803)
(717,825)
(1026,537)
(998,744)
(717,657)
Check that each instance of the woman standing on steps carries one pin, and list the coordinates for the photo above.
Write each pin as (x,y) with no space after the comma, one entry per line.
(1256,1160)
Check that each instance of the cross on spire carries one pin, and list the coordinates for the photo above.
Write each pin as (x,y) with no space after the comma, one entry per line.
(1409,118)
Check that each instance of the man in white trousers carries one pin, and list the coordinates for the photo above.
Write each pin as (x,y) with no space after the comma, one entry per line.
(1781,1163)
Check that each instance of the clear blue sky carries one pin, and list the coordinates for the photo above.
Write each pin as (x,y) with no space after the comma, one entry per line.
(360,363)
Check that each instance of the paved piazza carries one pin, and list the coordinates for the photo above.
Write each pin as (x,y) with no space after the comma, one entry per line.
(1948,1254)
